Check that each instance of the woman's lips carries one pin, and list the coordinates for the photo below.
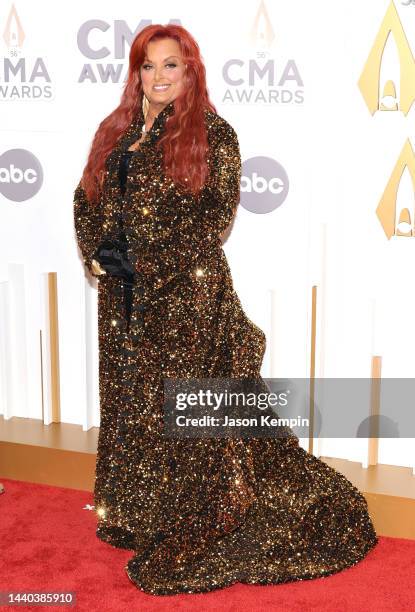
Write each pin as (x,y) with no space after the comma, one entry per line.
(160,87)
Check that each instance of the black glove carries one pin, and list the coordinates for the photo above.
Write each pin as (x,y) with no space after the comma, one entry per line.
(112,256)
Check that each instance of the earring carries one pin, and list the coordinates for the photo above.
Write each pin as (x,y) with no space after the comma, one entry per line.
(146,105)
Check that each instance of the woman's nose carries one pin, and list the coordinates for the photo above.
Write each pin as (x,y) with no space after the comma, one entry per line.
(158,73)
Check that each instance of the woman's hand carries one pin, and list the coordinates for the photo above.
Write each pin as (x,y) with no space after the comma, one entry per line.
(112,256)
(96,268)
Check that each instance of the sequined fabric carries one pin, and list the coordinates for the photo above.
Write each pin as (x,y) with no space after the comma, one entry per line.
(199,514)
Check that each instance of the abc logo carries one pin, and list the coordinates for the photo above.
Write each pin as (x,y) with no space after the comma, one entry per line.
(21,175)
(264,184)
(259,184)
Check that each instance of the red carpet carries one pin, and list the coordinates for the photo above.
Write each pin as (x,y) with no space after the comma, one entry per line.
(48,543)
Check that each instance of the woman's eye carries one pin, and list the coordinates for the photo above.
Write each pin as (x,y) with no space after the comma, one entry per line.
(145,66)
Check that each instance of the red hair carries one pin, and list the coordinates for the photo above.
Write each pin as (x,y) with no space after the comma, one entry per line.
(184,143)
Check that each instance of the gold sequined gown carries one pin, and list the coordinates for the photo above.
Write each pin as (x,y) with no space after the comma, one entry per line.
(199,514)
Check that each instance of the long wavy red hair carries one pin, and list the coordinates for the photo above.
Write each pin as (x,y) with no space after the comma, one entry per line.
(184,143)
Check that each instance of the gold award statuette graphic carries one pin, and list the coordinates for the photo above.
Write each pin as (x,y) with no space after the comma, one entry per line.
(393,224)
(369,82)
(262,33)
(386,210)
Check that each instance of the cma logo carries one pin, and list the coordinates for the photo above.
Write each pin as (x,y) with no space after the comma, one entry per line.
(21,175)
(255,72)
(264,184)
(390,53)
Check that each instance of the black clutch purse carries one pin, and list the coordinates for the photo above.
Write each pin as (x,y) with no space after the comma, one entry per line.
(112,256)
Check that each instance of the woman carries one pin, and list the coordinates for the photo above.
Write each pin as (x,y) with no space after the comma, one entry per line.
(160,187)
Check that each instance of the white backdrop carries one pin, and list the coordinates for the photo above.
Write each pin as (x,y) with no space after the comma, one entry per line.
(285,75)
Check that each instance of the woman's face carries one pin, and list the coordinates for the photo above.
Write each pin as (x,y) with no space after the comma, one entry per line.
(162,72)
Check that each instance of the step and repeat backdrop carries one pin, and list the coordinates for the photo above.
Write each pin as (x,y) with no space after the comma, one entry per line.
(322,249)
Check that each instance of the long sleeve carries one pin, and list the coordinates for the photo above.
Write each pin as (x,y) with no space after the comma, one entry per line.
(190,229)
(89,224)
(220,196)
